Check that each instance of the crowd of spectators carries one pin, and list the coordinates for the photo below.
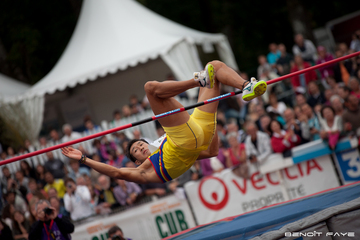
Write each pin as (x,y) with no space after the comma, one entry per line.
(321,104)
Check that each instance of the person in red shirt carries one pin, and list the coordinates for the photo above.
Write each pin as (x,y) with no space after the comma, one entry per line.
(282,141)
(303,79)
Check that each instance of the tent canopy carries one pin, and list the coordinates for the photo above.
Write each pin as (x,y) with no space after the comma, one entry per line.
(113,35)
(11,87)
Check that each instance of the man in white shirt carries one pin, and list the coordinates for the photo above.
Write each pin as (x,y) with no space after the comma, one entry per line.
(69,135)
(77,200)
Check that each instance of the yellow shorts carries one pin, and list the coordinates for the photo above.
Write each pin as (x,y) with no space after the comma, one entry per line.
(186,141)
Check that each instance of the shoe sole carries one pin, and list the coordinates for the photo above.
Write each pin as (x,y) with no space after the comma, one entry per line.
(259,89)
(211,74)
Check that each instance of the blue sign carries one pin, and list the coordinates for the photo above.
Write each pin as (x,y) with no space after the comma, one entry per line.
(348,163)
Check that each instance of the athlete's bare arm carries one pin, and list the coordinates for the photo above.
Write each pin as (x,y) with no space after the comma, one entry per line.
(142,174)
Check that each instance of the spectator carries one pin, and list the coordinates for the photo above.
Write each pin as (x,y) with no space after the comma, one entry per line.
(10,152)
(55,166)
(135,104)
(331,126)
(312,121)
(137,135)
(257,144)
(252,114)
(32,204)
(58,184)
(152,189)
(21,226)
(126,111)
(97,146)
(14,198)
(315,96)
(275,106)
(210,165)
(126,193)
(342,69)
(264,123)
(344,48)
(324,56)
(301,80)
(106,194)
(5,231)
(54,135)
(331,82)
(59,207)
(3,156)
(274,54)
(69,134)
(233,127)
(116,233)
(283,64)
(282,141)
(6,179)
(93,173)
(34,191)
(40,175)
(355,42)
(264,70)
(90,126)
(328,94)
(305,48)
(116,115)
(22,182)
(235,154)
(77,200)
(52,192)
(107,147)
(28,171)
(300,99)
(7,214)
(354,86)
(49,223)
(338,104)
(77,171)
(301,128)
(344,92)
(351,115)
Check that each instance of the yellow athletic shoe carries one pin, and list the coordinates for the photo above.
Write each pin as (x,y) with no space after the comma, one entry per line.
(206,78)
(253,89)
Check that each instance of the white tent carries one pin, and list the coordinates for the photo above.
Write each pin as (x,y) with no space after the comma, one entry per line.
(120,44)
(11,87)
(22,115)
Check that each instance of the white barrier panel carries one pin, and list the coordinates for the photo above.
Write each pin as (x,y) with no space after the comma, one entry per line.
(150,221)
(225,194)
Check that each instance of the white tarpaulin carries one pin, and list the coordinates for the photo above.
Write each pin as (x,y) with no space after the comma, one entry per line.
(25,116)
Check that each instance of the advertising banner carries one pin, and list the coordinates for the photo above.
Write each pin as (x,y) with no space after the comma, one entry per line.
(348,163)
(154,220)
(225,194)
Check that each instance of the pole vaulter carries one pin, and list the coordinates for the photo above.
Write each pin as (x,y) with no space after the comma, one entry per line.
(165,114)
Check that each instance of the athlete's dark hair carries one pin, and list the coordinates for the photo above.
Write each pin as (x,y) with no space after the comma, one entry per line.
(128,154)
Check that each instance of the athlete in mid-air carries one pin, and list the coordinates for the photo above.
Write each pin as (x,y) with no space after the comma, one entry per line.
(188,137)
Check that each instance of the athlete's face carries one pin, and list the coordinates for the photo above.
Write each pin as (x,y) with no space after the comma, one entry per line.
(140,151)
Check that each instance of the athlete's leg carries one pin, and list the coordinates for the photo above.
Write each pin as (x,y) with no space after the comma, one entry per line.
(160,96)
(224,75)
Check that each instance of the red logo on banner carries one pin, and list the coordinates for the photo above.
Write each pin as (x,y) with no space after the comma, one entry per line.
(218,204)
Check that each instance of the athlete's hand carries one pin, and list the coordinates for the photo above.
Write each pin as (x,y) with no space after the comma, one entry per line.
(71,153)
